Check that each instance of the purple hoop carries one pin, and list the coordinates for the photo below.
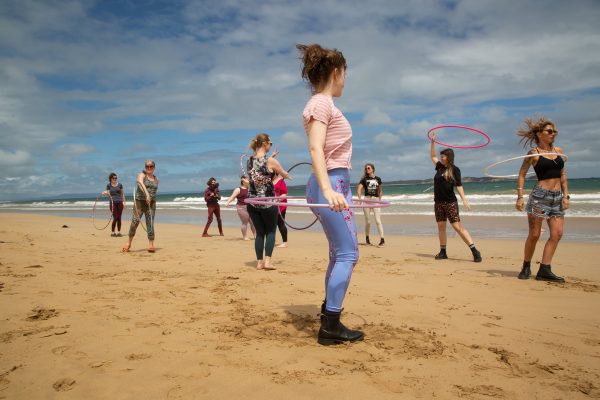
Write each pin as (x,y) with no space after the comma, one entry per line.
(482,133)
(269,201)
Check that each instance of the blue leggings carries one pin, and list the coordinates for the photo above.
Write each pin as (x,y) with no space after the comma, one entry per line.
(340,230)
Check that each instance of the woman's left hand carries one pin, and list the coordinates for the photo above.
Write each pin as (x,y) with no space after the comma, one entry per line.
(466,204)
(565,203)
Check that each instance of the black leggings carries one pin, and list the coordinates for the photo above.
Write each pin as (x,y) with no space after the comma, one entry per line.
(281,225)
(265,222)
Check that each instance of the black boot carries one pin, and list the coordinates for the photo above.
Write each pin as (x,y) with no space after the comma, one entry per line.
(441,255)
(545,274)
(476,255)
(526,270)
(382,242)
(368,241)
(332,331)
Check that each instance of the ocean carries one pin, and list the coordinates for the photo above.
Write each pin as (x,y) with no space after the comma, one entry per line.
(487,199)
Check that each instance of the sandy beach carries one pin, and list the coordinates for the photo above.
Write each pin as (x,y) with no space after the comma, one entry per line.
(196,320)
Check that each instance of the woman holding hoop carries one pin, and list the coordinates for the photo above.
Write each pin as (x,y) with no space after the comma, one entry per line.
(330,145)
(241,193)
(548,199)
(145,204)
(372,187)
(282,192)
(261,170)
(447,177)
(114,189)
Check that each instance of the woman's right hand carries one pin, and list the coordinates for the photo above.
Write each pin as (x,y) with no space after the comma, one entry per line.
(519,204)
(336,201)
(148,198)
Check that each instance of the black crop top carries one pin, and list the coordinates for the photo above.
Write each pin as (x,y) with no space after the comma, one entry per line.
(547,168)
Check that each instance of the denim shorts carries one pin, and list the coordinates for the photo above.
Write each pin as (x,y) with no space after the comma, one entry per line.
(544,203)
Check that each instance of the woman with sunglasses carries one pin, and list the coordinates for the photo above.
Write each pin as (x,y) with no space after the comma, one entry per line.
(144,204)
(371,185)
(549,198)
(114,189)
(447,176)
(261,170)
(330,146)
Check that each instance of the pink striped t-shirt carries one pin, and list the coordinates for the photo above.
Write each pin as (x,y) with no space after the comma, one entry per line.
(338,140)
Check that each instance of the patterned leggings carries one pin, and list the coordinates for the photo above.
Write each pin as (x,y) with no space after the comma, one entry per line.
(141,208)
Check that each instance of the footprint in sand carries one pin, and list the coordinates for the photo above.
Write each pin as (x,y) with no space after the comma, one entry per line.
(42,314)
(140,356)
(62,385)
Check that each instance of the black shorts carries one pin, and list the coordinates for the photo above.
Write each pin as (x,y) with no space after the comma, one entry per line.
(447,211)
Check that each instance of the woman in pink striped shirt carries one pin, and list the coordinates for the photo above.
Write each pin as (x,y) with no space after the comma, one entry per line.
(330,144)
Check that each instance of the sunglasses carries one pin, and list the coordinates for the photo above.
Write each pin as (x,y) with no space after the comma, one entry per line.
(114,177)
(149,166)
(550,131)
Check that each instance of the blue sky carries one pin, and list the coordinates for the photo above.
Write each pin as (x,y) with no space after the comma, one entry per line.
(90,87)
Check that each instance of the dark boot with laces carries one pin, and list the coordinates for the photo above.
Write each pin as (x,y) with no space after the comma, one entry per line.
(545,274)
(526,270)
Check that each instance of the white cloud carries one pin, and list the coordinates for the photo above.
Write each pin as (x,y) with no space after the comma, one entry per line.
(386,139)
(16,158)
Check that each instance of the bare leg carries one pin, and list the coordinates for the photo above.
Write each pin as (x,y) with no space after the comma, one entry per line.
(535,228)
(463,233)
(556,231)
(442,232)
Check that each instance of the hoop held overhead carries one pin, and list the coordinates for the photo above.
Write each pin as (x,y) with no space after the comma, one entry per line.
(482,133)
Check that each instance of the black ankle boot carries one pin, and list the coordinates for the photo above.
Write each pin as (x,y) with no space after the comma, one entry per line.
(441,255)
(526,270)
(332,331)
(368,241)
(476,255)
(545,274)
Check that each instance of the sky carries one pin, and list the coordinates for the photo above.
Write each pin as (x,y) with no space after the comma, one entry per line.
(93,87)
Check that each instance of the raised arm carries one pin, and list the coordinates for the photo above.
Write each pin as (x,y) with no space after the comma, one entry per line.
(274,165)
(317,131)
(433,154)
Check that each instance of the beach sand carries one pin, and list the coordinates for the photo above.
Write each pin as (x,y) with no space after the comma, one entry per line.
(195,320)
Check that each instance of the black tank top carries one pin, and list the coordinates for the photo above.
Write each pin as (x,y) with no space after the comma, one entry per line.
(547,168)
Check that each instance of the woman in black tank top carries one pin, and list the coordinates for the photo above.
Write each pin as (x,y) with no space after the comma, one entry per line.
(548,199)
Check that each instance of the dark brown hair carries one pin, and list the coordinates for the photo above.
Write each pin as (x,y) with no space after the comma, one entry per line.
(529,132)
(318,63)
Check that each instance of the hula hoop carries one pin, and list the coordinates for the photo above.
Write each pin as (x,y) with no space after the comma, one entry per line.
(279,210)
(276,201)
(135,188)
(94,213)
(482,133)
(242,164)
(486,169)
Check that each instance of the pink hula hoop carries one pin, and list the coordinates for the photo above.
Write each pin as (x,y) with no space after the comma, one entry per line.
(276,201)
(482,133)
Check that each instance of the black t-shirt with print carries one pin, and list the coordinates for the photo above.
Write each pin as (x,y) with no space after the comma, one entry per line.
(371,185)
